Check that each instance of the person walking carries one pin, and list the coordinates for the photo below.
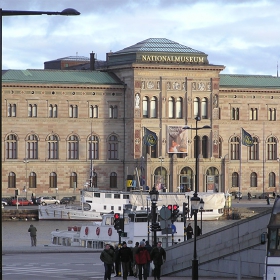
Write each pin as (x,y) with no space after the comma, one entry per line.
(117,261)
(142,257)
(189,231)
(33,235)
(158,256)
(135,266)
(125,255)
(107,257)
(149,249)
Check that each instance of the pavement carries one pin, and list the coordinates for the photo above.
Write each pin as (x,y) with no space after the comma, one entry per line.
(62,249)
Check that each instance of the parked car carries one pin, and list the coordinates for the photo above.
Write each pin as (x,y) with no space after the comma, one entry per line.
(44,200)
(265,194)
(21,201)
(237,195)
(67,200)
(4,203)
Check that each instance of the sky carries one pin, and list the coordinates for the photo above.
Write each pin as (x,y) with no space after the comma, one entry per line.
(243,35)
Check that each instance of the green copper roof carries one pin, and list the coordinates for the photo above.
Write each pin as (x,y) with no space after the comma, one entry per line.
(247,81)
(158,45)
(59,76)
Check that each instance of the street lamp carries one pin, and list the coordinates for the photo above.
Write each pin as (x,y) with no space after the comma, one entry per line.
(201,204)
(154,198)
(278,159)
(195,199)
(66,12)
(25,160)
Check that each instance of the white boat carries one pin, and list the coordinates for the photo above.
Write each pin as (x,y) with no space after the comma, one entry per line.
(96,234)
(95,203)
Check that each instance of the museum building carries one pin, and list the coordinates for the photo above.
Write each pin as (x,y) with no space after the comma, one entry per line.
(144,117)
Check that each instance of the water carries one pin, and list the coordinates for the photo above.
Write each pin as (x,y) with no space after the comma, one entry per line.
(15,233)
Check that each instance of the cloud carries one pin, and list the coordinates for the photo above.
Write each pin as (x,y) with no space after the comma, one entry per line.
(242,35)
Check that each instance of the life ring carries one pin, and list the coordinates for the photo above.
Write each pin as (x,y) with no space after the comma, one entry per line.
(86,230)
(110,231)
(98,231)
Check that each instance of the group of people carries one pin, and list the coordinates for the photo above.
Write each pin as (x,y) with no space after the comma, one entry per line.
(136,260)
(189,231)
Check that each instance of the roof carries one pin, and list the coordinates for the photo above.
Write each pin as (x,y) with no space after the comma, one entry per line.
(60,77)
(158,45)
(71,58)
(247,81)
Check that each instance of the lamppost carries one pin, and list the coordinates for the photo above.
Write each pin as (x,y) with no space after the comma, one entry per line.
(201,204)
(154,198)
(161,180)
(195,199)
(3,13)
(278,159)
(25,160)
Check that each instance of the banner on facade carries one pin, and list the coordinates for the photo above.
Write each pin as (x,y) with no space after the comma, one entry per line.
(177,139)
(247,139)
(150,137)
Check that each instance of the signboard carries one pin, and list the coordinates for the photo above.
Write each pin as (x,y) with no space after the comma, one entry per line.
(177,139)
(210,183)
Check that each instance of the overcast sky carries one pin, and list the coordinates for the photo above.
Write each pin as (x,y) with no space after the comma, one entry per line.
(243,35)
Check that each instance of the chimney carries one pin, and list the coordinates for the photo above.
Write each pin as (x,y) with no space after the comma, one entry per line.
(92,61)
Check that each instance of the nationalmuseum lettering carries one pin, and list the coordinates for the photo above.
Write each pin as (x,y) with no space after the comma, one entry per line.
(172,58)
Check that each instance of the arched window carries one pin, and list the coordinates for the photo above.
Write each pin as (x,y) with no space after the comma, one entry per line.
(32,110)
(153,107)
(52,111)
(196,105)
(73,147)
(235,180)
(179,108)
(235,113)
(253,114)
(204,108)
(186,179)
(145,107)
(73,180)
(234,148)
(272,179)
(53,180)
(113,147)
(171,108)
(12,109)
(115,112)
(33,180)
(11,146)
(93,147)
(113,180)
(73,111)
(32,147)
(160,177)
(253,180)
(52,147)
(254,150)
(93,111)
(271,148)
(12,180)
(205,146)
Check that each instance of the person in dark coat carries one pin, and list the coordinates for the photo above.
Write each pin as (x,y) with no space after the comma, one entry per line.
(189,231)
(158,256)
(125,255)
(117,261)
(107,257)
(142,257)
(33,235)
(134,264)
(149,249)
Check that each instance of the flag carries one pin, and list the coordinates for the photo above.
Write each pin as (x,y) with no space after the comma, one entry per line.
(247,139)
(150,137)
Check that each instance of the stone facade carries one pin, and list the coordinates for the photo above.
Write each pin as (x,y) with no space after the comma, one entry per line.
(146,94)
